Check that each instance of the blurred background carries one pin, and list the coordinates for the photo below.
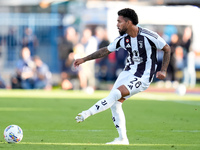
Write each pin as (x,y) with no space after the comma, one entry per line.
(39,39)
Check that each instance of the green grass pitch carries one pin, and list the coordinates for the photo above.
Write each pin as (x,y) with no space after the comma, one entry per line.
(163,121)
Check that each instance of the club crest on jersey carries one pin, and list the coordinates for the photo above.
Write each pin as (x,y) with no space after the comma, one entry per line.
(127,40)
(140,44)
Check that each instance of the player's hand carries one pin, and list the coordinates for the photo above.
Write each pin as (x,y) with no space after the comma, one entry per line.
(77,62)
(161,75)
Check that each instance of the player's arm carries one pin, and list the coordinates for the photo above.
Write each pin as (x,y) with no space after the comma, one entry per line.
(98,54)
(165,62)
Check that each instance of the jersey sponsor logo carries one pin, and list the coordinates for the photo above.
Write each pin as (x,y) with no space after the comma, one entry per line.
(135,53)
(136,57)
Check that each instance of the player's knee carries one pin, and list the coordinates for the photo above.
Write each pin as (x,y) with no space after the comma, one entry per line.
(116,94)
(124,91)
(121,100)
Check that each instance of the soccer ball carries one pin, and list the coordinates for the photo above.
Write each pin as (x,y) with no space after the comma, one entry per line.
(13,134)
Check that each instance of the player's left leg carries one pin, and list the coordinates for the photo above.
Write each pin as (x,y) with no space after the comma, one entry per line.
(120,123)
(134,85)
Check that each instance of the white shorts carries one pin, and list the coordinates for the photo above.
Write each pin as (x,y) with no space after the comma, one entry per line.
(133,84)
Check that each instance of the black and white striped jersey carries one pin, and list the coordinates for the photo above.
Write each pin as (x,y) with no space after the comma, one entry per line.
(142,50)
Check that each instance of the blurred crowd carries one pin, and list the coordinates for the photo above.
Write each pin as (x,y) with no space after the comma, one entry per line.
(33,73)
(182,57)
(72,46)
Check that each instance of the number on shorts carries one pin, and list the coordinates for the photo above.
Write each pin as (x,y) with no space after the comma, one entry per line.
(133,80)
(138,84)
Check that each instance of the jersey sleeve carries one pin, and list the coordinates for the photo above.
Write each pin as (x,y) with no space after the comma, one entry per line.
(160,42)
(154,37)
(116,44)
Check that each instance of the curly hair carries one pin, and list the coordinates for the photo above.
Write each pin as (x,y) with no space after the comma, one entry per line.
(130,14)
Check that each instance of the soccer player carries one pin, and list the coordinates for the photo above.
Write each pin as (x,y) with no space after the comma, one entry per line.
(141,45)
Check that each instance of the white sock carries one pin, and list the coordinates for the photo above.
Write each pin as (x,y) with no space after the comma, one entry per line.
(119,119)
(105,103)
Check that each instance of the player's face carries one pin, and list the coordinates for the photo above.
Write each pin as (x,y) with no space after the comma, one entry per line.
(121,25)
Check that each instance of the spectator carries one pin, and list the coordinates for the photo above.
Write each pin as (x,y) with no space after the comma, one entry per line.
(90,45)
(2,83)
(24,71)
(169,30)
(11,42)
(30,41)
(65,47)
(106,65)
(72,35)
(79,52)
(189,73)
(42,74)
(172,69)
(66,55)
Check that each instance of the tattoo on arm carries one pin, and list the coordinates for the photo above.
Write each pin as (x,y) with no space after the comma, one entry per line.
(98,54)
(166,58)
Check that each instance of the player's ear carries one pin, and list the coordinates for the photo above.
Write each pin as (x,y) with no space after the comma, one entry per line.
(129,22)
